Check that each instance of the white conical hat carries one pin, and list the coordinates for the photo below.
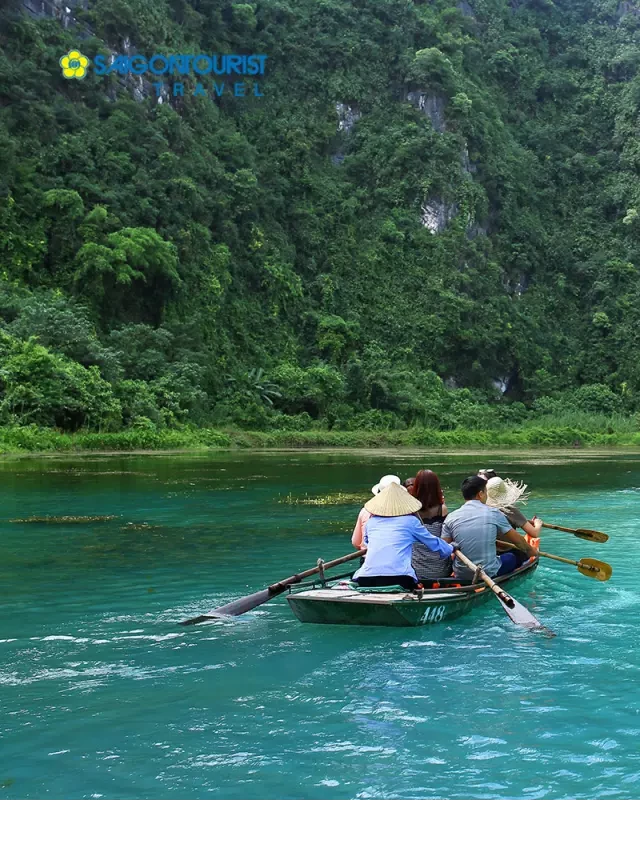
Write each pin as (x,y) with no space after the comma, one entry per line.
(503,493)
(393,501)
(384,482)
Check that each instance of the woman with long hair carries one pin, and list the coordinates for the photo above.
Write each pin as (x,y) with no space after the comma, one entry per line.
(426,488)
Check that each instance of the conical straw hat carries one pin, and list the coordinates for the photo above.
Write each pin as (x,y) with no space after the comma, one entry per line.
(504,493)
(392,501)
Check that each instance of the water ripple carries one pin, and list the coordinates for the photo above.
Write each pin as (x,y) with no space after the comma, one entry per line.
(104,694)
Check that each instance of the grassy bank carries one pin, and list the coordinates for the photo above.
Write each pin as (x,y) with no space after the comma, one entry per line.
(39,440)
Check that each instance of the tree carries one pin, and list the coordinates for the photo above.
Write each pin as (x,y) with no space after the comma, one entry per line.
(37,386)
(132,277)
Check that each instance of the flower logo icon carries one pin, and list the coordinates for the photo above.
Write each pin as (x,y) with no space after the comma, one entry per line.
(74,64)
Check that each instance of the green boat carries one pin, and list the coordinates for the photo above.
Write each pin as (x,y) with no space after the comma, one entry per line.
(344,604)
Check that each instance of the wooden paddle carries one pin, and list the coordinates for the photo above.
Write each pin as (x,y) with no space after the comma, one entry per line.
(586,566)
(514,610)
(590,535)
(248,602)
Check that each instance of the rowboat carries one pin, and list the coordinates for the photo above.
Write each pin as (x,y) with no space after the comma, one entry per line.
(342,604)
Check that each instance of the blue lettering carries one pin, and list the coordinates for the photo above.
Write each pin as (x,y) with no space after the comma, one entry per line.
(178,89)
(239,90)
(153,63)
(262,58)
(219,67)
(197,62)
(219,89)
(161,64)
(120,64)
(200,90)
(256,91)
(158,87)
(179,63)
(138,64)
(99,65)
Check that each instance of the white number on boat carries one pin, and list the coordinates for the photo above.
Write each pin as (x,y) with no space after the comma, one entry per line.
(433,614)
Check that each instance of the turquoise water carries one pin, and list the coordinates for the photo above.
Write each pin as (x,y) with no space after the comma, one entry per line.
(103,694)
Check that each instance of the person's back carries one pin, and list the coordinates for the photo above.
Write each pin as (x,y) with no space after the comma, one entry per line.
(389,536)
(427,564)
(475,527)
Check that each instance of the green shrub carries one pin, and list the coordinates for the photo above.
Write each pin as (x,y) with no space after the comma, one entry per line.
(310,390)
(598,399)
(42,388)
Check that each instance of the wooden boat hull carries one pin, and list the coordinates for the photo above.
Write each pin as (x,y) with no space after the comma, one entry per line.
(327,606)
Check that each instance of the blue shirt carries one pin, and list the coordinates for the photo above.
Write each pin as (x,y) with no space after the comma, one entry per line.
(389,542)
(475,527)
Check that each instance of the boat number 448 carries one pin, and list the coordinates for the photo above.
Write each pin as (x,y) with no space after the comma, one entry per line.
(433,614)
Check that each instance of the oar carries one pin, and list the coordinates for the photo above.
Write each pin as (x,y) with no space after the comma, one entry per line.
(514,610)
(586,566)
(590,535)
(248,602)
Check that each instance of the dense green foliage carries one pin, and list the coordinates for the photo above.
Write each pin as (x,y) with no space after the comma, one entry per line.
(241,261)
(33,439)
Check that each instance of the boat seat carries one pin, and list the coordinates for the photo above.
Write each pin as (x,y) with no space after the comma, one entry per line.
(371,589)
(430,583)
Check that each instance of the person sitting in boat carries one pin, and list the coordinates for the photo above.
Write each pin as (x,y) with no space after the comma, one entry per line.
(389,536)
(504,494)
(476,527)
(363,516)
(426,563)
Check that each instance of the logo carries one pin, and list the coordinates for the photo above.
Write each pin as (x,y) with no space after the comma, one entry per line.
(172,66)
(182,63)
(74,64)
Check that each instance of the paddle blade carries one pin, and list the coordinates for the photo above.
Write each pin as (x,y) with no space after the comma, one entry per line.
(197,620)
(521,616)
(591,535)
(234,608)
(594,569)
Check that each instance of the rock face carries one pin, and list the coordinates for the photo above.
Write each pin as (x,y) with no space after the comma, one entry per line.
(432,106)
(62,10)
(518,285)
(522,284)
(626,8)
(139,86)
(467,164)
(347,116)
(466,9)
(436,214)
(476,229)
